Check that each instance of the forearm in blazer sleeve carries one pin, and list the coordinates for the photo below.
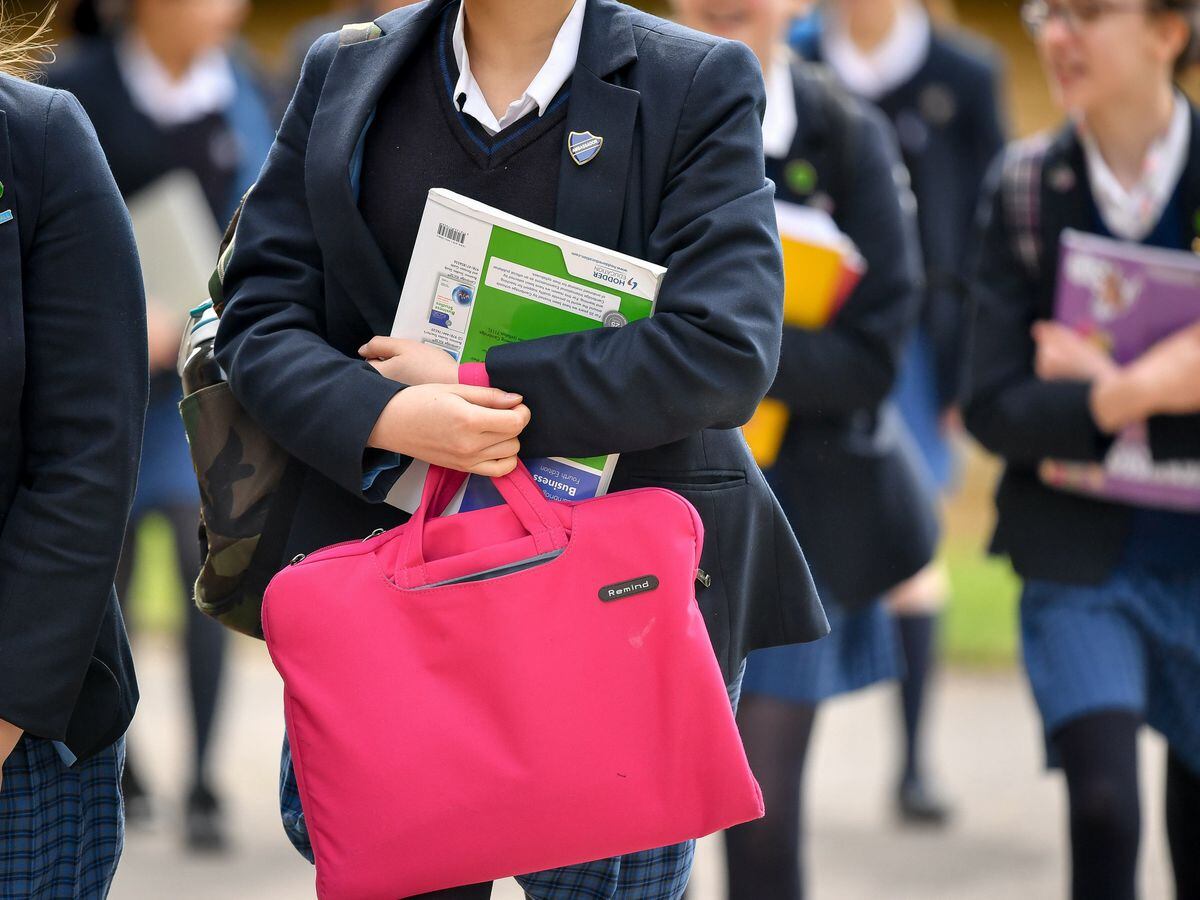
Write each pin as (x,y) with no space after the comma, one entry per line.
(1009,409)
(83,409)
(851,363)
(318,403)
(708,354)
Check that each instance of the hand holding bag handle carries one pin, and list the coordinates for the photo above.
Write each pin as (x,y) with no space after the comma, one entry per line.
(520,493)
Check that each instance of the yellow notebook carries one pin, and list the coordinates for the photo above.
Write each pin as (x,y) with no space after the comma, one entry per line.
(821,266)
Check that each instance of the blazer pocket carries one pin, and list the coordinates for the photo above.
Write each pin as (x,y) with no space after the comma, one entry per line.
(98,718)
(697,480)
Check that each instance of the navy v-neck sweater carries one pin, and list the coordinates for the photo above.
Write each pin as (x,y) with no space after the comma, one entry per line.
(420,139)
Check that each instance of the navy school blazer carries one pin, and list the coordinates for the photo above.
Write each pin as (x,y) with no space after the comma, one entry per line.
(679,182)
(948,121)
(848,472)
(1048,533)
(73,385)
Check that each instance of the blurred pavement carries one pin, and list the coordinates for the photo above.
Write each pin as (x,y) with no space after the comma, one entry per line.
(1006,842)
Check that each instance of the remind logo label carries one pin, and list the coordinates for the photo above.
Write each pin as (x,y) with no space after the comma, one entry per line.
(623,589)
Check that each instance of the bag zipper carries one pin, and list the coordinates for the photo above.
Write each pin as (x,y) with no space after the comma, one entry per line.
(704,578)
(300,557)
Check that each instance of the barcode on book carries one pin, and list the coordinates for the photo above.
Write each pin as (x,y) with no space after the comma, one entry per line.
(451,234)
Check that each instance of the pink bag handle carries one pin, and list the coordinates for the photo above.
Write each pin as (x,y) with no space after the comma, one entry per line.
(519,491)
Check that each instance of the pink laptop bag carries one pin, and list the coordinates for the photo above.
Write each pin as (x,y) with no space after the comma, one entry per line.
(508,721)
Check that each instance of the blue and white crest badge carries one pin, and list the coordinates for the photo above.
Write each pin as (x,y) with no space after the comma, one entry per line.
(583,146)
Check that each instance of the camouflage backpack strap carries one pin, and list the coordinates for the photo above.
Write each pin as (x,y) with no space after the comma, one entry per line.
(216,281)
(1021,185)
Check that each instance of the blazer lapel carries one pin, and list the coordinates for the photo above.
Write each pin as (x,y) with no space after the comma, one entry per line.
(356,79)
(591,195)
(1065,202)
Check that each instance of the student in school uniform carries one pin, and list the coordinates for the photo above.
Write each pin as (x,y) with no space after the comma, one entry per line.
(940,91)
(73,390)
(1110,623)
(488,98)
(167,93)
(847,472)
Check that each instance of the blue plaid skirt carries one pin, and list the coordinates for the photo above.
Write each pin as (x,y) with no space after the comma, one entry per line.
(61,829)
(659,874)
(1131,643)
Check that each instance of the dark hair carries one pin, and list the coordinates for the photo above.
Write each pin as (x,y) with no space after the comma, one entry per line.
(1190,11)
(24,44)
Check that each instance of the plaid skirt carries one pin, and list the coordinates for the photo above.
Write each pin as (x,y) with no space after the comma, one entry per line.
(658,874)
(61,828)
(1131,644)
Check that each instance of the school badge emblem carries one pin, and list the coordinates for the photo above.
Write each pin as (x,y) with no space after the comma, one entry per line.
(583,146)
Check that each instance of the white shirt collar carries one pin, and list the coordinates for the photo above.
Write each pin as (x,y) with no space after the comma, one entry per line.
(1132,214)
(207,87)
(896,60)
(555,72)
(779,120)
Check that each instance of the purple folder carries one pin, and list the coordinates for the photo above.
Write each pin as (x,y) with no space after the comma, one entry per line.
(1127,297)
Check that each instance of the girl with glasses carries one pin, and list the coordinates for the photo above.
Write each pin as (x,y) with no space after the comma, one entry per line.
(1109,618)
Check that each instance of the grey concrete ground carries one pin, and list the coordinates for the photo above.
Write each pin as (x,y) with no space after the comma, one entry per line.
(1007,841)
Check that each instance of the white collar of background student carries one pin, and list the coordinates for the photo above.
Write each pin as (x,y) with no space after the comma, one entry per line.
(207,87)
(896,60)
(779,120)
(545,85)
(1132,214)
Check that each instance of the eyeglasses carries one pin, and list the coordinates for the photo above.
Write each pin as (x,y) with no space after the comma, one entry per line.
(1036,14)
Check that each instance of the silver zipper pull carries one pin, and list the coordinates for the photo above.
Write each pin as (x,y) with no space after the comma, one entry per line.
(704,578)
(297,558)
(374,534)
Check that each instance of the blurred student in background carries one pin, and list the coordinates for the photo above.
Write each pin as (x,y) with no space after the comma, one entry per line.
(165,93)
(72,398)
(847,472)
(1110,621)
(941,93)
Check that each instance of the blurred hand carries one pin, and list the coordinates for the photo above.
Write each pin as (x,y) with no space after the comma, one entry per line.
(458,426)
(1169,373)
(1165,380)
(1064,355)
(410,362)
(9,736)
(163,335)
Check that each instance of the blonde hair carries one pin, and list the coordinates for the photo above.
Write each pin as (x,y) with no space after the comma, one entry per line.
(25,44)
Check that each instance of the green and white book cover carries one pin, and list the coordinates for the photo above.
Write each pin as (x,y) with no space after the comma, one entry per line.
(479,277)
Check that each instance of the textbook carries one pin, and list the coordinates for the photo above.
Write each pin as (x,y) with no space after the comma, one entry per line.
(480,277)
(821,267)
(1127,297)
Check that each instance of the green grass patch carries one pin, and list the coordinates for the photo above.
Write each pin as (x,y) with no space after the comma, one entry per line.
(981,625)
(157,597)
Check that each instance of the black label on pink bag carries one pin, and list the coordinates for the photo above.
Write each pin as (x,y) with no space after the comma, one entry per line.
(624,589)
